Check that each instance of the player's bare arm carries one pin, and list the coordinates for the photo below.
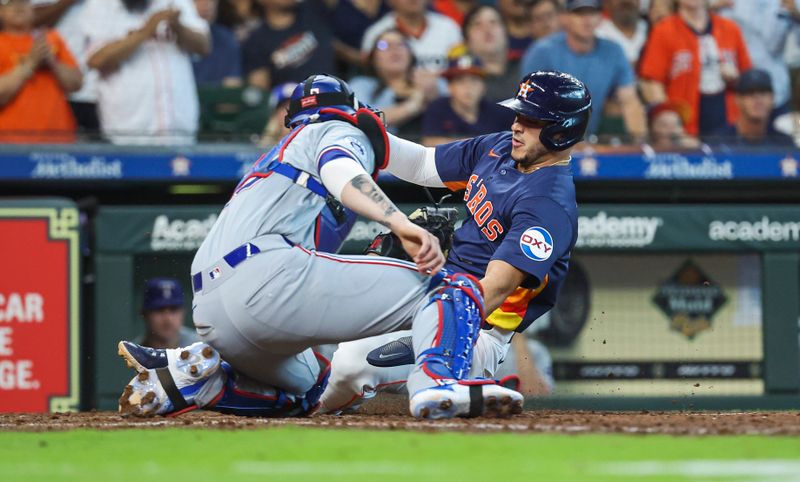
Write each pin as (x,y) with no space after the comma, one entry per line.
(500,281)
(363,196)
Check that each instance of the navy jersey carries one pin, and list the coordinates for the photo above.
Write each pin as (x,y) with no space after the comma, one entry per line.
(527,220)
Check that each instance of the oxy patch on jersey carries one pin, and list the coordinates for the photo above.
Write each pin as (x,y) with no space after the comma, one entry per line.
(536,243)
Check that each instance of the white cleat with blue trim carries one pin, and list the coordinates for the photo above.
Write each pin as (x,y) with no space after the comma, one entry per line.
(466,399)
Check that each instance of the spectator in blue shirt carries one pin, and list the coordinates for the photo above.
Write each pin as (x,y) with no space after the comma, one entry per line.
(599,63)
(755,99)
(465,113)
(223,66)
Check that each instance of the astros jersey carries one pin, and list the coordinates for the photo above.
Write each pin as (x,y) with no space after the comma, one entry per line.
(527,220)
(266,202)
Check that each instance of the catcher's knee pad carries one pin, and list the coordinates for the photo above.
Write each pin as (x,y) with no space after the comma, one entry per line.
(460,305)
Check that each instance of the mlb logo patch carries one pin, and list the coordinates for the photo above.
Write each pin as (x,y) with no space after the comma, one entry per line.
(215,273)
(309,101)
(536,243)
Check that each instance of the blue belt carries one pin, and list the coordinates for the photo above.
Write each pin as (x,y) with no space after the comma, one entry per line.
(233,259)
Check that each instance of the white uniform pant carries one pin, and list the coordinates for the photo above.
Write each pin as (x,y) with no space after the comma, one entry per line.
(353,380)
(265,314)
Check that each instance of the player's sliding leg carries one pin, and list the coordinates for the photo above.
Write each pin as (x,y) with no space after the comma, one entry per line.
(444,334)
(353,380)
(364,368)
(174,381)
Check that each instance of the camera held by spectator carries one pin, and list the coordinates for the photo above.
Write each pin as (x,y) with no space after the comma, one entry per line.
(666,123)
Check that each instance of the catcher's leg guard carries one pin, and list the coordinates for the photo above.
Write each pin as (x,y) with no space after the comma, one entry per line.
(448,360)
(460,307)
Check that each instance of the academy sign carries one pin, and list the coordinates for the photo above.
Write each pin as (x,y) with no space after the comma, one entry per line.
(604,231)
(761,230)
(179,234)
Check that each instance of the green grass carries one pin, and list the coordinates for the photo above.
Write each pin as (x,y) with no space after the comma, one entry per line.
(294,454)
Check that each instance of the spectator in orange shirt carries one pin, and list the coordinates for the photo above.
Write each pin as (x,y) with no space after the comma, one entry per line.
(36,72)
(692,58)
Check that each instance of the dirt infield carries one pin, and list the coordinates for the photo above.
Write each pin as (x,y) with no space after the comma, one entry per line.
(672,423)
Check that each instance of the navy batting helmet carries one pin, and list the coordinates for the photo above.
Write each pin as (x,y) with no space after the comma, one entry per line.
(318,92)
(557,98)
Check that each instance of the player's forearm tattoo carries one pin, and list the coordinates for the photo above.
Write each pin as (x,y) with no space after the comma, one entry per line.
(365,186)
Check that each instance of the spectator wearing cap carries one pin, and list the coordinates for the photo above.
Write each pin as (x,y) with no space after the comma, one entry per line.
(36,73)
(544,19)
(666,126)
(486,39)
(430,35)
(390,84)
(223,65)
(163,314)
(598,62)
(66,16)
(755,99)
(279,105)
(624,25)
(766,26)
(465,113)
(691,58)
(146,92)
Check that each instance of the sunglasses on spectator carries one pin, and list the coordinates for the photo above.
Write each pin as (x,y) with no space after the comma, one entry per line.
(383,45)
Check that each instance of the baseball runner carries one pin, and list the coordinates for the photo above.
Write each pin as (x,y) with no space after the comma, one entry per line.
(267,288)
(518,238)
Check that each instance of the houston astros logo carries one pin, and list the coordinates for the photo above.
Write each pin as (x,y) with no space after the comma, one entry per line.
(536,243)
(526,87)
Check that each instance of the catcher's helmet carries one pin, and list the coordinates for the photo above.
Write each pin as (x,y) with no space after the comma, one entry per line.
(316,93)
(558,98)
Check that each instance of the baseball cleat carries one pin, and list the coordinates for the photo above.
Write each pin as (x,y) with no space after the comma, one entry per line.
(462,400)
(169,381)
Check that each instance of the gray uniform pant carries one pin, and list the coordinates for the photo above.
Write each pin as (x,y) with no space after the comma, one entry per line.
(265,314)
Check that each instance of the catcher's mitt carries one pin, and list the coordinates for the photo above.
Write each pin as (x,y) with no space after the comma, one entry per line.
(438,221)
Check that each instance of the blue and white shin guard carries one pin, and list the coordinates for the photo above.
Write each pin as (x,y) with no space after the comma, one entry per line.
(459,305)
(438,385)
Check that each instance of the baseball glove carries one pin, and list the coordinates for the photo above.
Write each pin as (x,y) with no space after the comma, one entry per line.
(438,221)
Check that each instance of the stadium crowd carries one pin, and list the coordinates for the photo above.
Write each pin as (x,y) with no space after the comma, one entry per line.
(675,74)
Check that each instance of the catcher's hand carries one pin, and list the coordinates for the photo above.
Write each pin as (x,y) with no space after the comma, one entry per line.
(438,221)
